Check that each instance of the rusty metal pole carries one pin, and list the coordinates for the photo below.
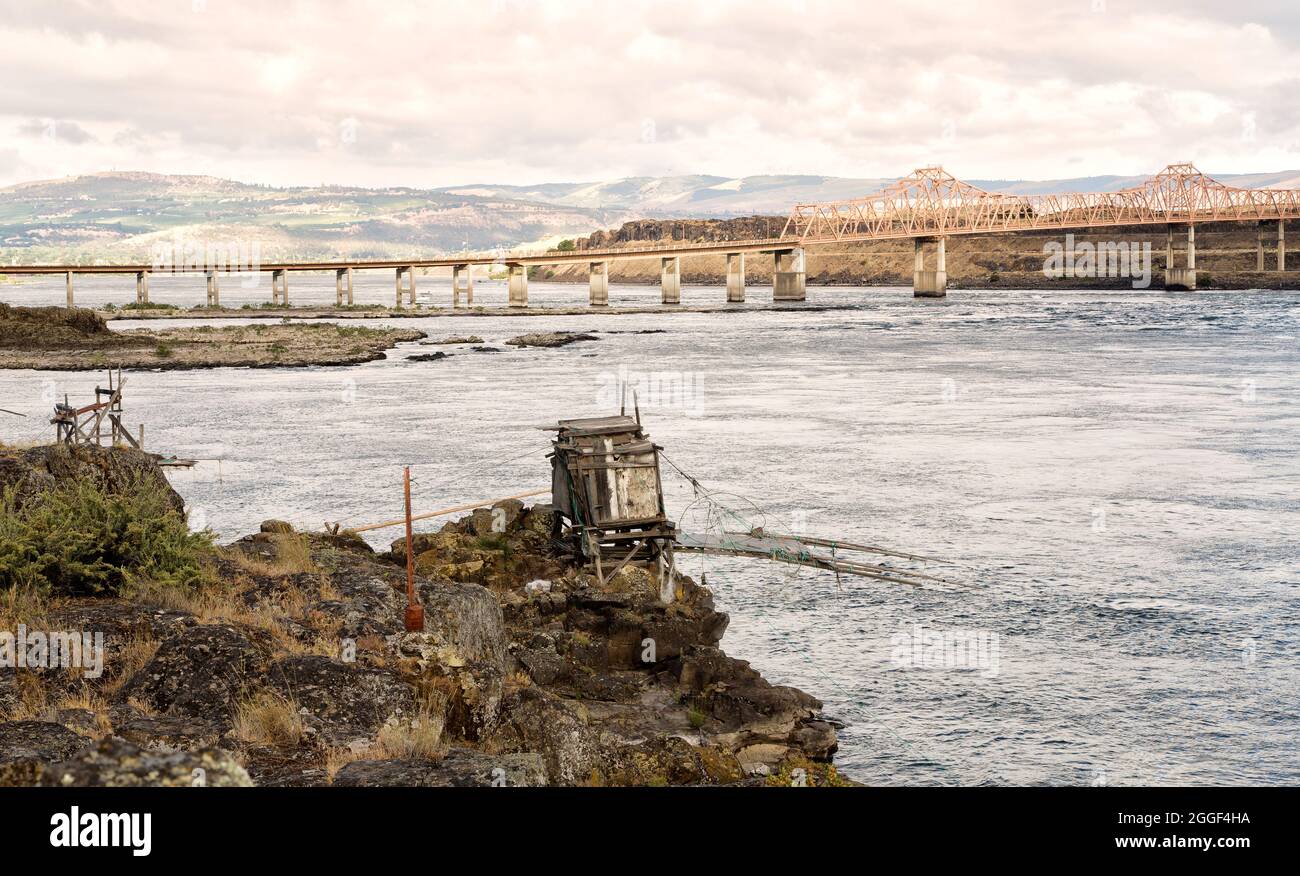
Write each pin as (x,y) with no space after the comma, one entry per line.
(414,611)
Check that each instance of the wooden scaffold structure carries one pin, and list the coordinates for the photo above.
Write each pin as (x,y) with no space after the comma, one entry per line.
(606,488)
(86,425)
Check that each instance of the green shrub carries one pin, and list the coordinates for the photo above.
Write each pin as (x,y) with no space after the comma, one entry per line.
(78,539)
(494,541)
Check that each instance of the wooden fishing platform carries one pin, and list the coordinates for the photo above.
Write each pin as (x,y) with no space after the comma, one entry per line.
(606,487)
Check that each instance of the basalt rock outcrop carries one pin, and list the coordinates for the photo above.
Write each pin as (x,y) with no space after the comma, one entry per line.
(296,669)
(115,763)
(29,472)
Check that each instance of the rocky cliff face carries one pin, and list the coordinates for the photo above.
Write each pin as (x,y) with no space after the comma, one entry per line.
(685,230)
(26,473)
(294,668)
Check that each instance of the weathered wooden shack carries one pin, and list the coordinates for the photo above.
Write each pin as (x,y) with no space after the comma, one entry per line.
(605,485)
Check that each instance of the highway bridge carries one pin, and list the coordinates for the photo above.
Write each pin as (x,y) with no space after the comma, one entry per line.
(927,206)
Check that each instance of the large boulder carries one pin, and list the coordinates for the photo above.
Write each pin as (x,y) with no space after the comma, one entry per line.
(463,625)
(166,732)
(460,768)
(37,740)
(27,473)
(342,702)
(669,761)
(463,653)
(538,721)
(26,747)
(202,671)
(119,764)
(500,547)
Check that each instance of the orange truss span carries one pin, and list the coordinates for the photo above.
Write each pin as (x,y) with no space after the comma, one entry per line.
(931,201)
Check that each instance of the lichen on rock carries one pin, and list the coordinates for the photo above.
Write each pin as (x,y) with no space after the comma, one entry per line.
(295,668)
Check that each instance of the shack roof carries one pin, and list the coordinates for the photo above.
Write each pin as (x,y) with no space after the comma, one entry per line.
(599,425)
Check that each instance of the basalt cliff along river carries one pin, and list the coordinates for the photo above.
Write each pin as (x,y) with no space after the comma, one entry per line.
(1118,474)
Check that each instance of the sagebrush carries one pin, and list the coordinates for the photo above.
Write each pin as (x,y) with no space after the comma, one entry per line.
(81,539)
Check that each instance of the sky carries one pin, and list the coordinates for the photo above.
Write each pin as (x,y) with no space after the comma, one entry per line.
(427,94)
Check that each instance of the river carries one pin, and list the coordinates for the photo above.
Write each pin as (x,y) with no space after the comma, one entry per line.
(1118,475)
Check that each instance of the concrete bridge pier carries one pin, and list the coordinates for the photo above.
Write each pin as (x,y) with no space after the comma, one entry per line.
(280,287)
(342,281)
(141,287)
(599,278)
(735,278)
(517,285)
(790,276)
(69,282)
(670,279)
(928,283)
(408,273)
(214,289)
(1184,278)
(462,281)
(1261,244)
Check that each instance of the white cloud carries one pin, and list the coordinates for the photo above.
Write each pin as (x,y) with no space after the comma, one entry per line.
(519,91)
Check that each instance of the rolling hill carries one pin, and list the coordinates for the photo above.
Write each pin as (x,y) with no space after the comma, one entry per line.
(121,216)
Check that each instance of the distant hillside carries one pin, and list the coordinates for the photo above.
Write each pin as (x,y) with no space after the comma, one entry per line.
(117,217)
(695,197)
(121,216)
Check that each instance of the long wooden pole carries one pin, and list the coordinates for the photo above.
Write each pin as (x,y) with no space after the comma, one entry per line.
(466,507)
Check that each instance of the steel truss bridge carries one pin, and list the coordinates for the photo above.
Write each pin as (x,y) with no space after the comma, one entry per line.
(927,206)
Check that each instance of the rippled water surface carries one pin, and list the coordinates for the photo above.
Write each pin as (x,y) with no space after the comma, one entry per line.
(1119,473)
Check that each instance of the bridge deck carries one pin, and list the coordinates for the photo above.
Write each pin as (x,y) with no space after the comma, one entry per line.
(929,203)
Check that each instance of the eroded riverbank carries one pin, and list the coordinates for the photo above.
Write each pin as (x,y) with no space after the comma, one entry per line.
(56,339)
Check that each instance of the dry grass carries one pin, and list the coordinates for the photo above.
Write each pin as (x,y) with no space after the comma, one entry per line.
(337,758)
(90,701)
(292,557)
(22,605)
(142,707)
(32,701)
(417,739)
(130,659)
(225,604)
(268,718)
(328,592)
(161,596)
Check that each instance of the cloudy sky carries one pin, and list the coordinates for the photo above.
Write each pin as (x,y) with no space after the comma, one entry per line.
(523,91)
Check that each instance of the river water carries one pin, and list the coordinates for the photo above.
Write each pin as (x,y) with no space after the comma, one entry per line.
(1119,475)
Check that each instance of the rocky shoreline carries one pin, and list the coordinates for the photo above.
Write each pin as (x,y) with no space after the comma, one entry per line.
(291,666)
(59,339)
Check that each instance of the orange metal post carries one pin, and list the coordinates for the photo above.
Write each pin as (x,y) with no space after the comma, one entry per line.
(414,611)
